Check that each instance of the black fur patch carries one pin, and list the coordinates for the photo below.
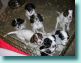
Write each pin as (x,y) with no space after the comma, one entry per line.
(43,54)
(32,19)
(29,6)
(40,17)
(13,3)
(42,47)
(46,53)
(54,37)
(18,21)
(59,34)
(47,42)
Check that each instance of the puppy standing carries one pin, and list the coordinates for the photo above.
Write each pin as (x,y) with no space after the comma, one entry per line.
(64,19)
(37,23)
(36,19)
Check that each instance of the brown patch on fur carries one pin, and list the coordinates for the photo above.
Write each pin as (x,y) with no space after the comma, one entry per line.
(35,39)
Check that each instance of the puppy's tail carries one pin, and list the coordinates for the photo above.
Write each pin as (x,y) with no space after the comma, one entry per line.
(10,33)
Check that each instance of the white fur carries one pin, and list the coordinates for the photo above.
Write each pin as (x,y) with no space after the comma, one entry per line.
(39,41)
(37,25)
(22,26)
(23,35)
(28,14)
(62,20)
(52,48)
(62,42)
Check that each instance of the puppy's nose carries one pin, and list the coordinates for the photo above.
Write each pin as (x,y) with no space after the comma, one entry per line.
(69,16)
(40,42)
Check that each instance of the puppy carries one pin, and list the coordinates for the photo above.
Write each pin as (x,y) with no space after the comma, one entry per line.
(18,24)
(23,35)
(61,40)
(58,40)
(35,18)
(48,46)
(37,39)
(35,42)
(30,10)
(14,3)
(37,23)
(64,19)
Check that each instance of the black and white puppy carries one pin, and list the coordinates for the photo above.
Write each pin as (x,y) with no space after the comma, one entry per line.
(48,46)
(18,23)
(30,10)
(37,23)
(54,42)
(61,40)
(64,19)
(36,19)
(14,3)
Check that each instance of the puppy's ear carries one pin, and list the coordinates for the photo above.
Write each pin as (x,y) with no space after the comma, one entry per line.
(40,35)
(29,6)
(57,32)
(40,17)
(20,21)
(32,18)
(54,37)
(13,23)
(33,39)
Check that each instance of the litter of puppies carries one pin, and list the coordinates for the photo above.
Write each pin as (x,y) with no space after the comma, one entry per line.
(41,42)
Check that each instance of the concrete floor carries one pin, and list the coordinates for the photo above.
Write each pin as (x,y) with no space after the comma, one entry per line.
(71,50)
(47,8)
